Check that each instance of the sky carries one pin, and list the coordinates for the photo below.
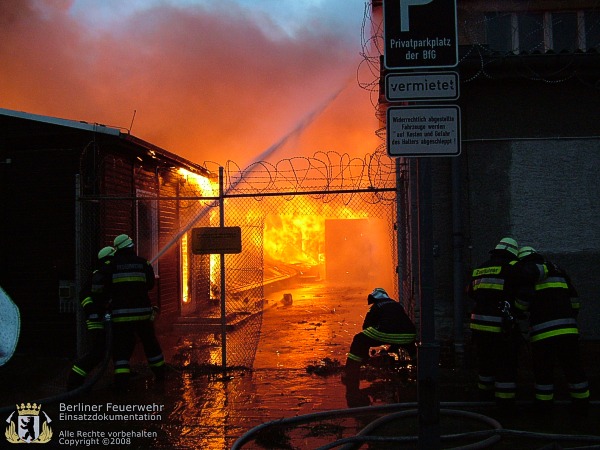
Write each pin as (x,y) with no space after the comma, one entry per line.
(209,80)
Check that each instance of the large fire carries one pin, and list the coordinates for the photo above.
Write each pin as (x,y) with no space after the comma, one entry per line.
(304,237)
(297,238)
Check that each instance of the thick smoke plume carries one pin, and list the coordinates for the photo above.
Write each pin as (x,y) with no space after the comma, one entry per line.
(209,84)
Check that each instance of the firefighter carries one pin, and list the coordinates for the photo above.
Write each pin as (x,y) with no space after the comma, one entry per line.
(553,307)
(494,329)
(386,322)
(94,307)
(128,278)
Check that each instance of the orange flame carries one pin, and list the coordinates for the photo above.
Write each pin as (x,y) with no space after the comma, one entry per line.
(297,238)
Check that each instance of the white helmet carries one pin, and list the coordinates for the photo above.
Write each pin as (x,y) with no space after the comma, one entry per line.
(377,294)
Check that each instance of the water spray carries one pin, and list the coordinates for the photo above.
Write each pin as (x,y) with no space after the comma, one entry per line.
(297,130)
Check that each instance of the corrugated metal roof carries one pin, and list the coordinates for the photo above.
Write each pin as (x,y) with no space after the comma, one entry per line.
(94,127)
(152,149)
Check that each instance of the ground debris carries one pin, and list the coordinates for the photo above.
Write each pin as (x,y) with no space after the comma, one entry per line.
(325,367)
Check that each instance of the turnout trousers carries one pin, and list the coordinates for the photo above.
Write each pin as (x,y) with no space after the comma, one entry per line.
(97,348)
(497,358)
(563,349)
(124,339)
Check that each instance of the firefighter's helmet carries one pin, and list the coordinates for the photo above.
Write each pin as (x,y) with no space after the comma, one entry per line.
(106,252)
(526,251)
(377,294)
(508,244)
(123,241)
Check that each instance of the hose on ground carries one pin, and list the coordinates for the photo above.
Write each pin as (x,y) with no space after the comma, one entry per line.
(492,439)
(397,410)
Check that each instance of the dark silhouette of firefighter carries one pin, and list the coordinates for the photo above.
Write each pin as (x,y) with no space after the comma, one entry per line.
(553,307)
(94,303)
(128,278)
(386,322)
(494,329)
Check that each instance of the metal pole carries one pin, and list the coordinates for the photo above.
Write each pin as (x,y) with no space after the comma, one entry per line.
(222,259)
(428,349)
(78,311)
(399,235)
(457,245)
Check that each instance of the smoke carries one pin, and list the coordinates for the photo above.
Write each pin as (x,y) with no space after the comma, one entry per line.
(207,83)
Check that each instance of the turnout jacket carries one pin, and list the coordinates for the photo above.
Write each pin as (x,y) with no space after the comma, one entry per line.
(128,278)
(493,287)
(387,320)
(492,284)
(94,300)
(553,305)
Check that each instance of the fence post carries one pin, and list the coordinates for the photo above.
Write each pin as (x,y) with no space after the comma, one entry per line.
(222,259)
(399,235)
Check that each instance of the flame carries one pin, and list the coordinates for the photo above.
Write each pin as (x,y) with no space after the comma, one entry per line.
(296,238)
(185,267)
(206,186)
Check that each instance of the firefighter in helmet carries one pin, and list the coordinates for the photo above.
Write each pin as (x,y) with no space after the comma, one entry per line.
(94,303)
(553,306)
(128,278)
(494,329)
(386,322)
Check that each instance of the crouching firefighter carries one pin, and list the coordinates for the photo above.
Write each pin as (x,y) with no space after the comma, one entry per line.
(386,322)
(93,302)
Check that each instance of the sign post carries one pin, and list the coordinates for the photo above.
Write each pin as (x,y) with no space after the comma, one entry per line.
(422,34)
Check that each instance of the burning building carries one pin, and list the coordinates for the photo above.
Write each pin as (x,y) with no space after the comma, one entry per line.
(68,188)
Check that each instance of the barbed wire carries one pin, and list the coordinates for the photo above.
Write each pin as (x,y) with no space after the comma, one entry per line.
(323,176)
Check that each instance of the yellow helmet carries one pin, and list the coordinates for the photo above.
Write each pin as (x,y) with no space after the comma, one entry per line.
(526,251)
(123,241)
(508,244)
(106,252)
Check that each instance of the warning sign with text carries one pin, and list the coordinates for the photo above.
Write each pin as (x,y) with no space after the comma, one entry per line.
(423,131)
(215,240)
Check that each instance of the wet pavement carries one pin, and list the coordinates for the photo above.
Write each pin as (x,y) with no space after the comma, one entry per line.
(295,374)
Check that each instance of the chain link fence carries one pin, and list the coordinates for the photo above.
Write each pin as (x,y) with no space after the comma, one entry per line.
(336,221)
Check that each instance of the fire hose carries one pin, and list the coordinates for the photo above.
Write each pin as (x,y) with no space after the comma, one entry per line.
(365,435)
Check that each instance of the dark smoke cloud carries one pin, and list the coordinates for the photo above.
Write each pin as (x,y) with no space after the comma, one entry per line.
(207,84)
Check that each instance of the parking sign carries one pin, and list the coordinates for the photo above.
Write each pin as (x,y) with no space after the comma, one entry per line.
(420,34)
